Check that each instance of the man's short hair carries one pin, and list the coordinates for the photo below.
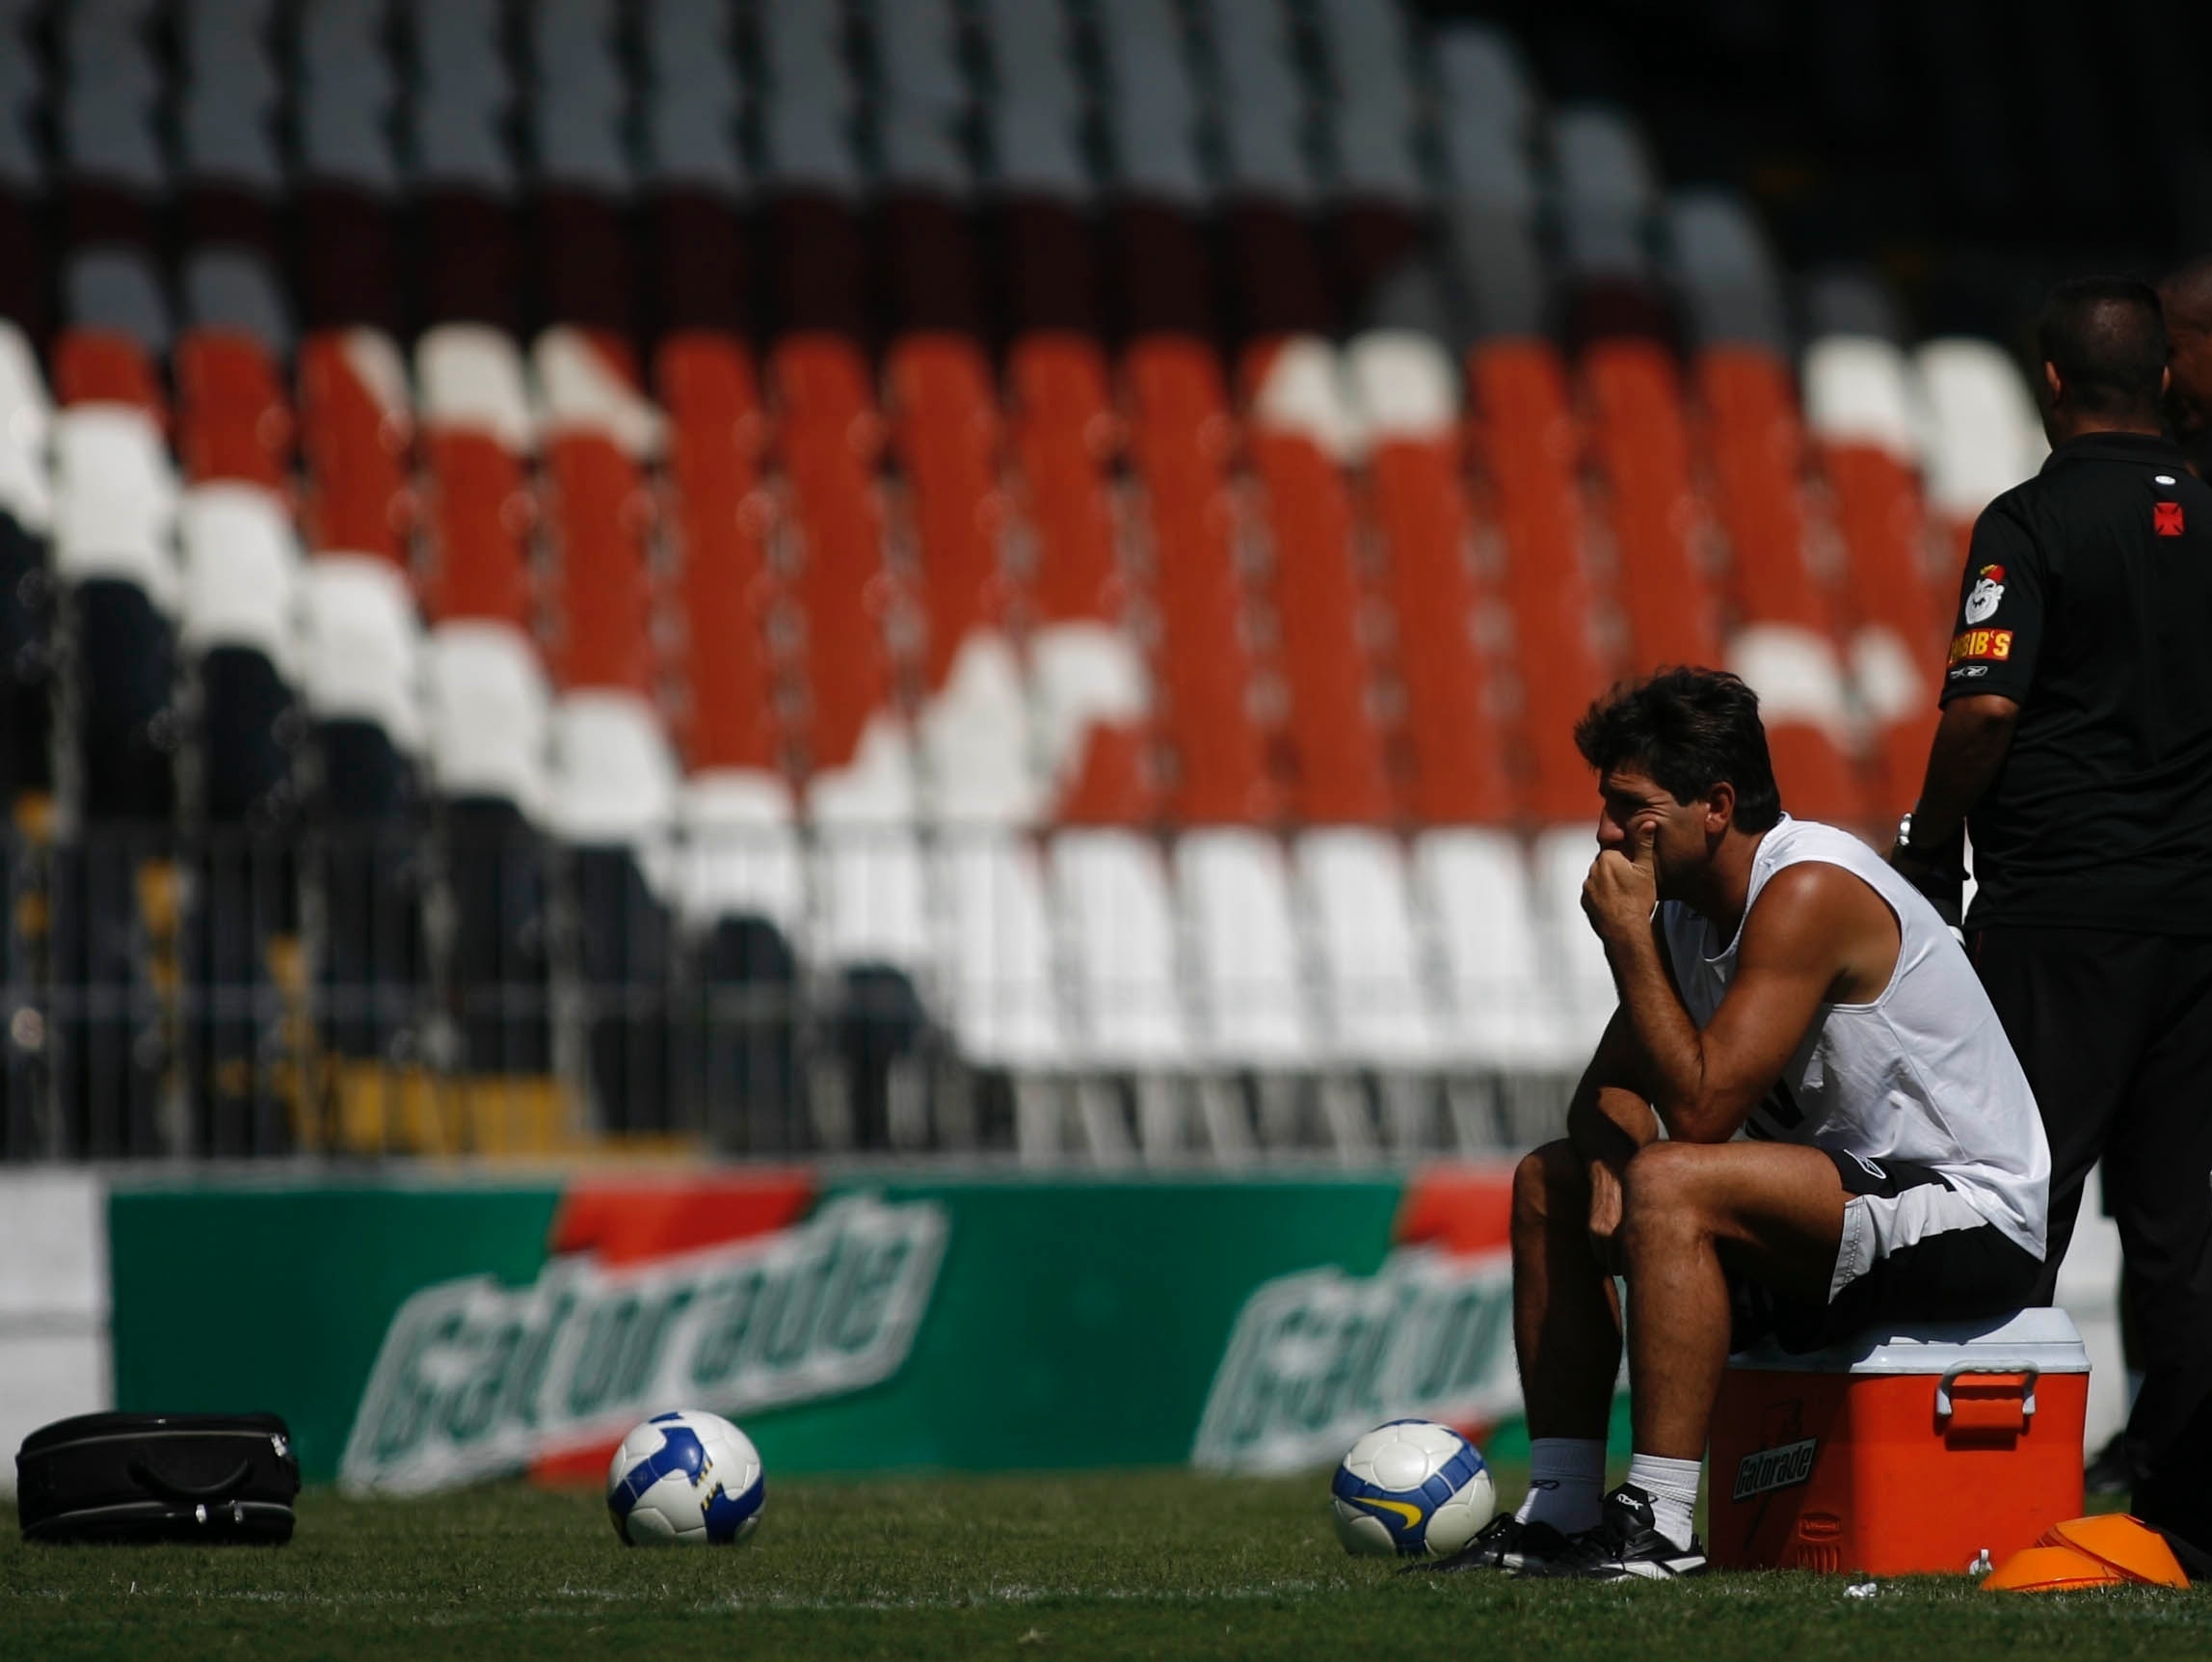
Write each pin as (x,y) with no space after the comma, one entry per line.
(2106,336)
(1688,729)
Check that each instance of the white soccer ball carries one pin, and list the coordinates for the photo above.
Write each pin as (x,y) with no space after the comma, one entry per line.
(1411,1487)
(688,1477)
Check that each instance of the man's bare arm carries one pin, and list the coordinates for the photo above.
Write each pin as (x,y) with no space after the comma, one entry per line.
(1800,939)
(1970,746)
(1608,1118)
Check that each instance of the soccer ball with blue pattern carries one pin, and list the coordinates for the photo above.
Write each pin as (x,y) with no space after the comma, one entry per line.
(686,1477)
(1411,1487)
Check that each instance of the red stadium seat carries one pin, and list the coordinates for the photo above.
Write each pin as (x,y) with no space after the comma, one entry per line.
(1065,437)
(830,437)
(479,511)
(1527,442)
(95,366)
(944,434)
(357,429)
(1786,646)
(1884,528)
(599,432)
(721,517)
(1455,770)
(1181,438)
(1336,762)
(601,597)
(233,420)
(1065,434)
(1642,440)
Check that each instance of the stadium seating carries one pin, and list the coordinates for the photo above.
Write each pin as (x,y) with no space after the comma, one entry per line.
(885,576)
(1858,410)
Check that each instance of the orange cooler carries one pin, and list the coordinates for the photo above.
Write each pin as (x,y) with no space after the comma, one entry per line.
(1899,1453)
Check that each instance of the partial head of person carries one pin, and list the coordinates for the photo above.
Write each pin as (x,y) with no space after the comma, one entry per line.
(2102,341)
(2186,299)
(1682,759)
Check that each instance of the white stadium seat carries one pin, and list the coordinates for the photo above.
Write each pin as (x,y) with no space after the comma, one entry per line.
(974,739)
(490,715)
(469,376)
(26,433)
(1858,390)
(1798,676)
(580,389)
(1083,674)
(1402,385)
(1505,1009)
(1375,1010)
(1235,890)
(115,500)
(1110,891)
(1983,432)
(995,956)
(361,646)
(613,777)
(241,572)
(1562,862)
(740,855)
(868,860)
(1303,392)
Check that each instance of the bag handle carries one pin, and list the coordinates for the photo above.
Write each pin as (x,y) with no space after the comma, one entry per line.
(222,1489)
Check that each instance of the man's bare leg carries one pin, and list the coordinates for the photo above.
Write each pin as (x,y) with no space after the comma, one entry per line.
(1566,1318)
(1776,1209)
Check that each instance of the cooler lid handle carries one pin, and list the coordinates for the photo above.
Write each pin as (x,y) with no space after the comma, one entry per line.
(2028,1370)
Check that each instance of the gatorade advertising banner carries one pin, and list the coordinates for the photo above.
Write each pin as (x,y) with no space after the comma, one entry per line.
(1319,1357)
(419,1333)
(475,1377)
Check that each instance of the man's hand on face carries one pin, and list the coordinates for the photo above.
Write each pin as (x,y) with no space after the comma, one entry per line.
(1622,890)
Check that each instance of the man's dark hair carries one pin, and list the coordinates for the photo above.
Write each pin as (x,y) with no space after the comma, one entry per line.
(1689,729)
(2106,336)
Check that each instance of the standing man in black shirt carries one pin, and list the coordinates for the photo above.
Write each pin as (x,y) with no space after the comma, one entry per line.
(2076,743)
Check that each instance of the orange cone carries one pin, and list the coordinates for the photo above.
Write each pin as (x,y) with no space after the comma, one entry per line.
(2051,1570)
(2122,1543)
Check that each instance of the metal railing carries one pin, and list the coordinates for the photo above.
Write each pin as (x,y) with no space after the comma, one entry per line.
(462,986)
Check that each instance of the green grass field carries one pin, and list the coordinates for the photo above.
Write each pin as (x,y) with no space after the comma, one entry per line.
(1163,1564)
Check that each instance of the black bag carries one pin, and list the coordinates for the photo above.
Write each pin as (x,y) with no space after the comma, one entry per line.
(158,1477)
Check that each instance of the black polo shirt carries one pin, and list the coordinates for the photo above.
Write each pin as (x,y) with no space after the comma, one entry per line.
(2088,600)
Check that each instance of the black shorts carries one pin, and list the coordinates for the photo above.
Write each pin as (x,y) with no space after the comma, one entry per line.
(1913,1250)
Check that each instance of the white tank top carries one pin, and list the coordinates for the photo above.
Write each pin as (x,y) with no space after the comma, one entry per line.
(1924,1072)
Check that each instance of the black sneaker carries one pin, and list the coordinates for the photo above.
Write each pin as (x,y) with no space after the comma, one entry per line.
(1625,1546)
(1506,1543)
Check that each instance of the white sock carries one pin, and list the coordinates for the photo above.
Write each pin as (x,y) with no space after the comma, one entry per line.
(1566,1479)
(1672,1484)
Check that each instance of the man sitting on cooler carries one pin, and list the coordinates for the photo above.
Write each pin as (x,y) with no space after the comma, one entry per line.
(1848,1139)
